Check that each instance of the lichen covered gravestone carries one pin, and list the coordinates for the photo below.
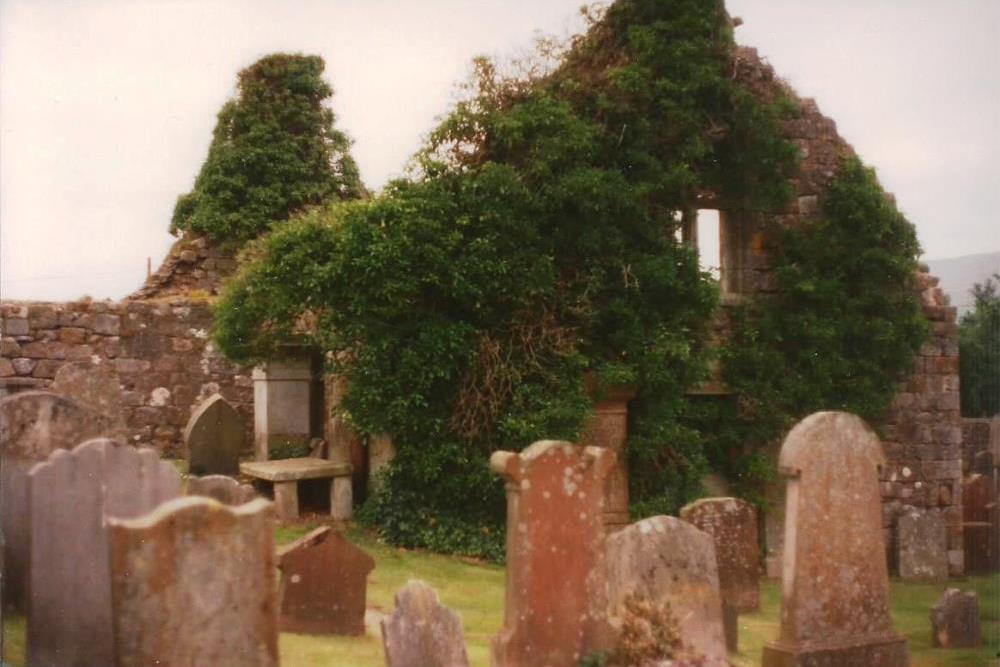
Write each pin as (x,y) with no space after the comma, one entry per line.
(96,387)
(224,489)
(70,496)
(955,620)
(835,582)
(324,583)
(732,523)
(422,632)
(193,584)
(923,546)
(553,614)
(33,424)
(671,564)
(214,437)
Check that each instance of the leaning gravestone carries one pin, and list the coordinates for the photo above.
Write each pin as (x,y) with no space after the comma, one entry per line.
(70,496)
(422,632)
(224,489)
(553,613)
(324,584)
(922,541)
(955,620)
(214,437)
(835,585)
(193,584)
(33,424)
(670,563)
(732,524)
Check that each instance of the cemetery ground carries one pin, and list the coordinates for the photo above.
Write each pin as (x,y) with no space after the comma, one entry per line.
(475,591)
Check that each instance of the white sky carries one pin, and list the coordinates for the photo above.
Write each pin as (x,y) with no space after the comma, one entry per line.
(107,107)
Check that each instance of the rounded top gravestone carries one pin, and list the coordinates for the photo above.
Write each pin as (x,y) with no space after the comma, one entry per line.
(214,437)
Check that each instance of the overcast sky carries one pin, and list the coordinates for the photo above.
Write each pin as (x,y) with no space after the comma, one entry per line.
(107,107)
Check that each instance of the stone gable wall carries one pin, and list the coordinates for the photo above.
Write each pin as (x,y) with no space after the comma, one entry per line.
(160,351)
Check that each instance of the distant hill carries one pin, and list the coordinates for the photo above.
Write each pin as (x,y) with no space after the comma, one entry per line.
(959,274)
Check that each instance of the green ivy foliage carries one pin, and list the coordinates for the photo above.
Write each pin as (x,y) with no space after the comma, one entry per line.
(979,340)
(274,151)
(839,334)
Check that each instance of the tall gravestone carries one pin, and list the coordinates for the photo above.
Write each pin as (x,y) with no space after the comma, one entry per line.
(324,584)
(835,581)
(282,400)
(732,524)
(214,437)
(671,564)
(553,613)
(980,525)
(608,427)
(33,424)
(224,489)
(422,632)
(70,496)
(193,584)
(922,543)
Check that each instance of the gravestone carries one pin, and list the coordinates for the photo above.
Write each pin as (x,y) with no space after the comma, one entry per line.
(70,496)
(732,524)
(95,386)
(955,620)
(670,563)
(835,581)
(33,424)
(224,489)
(922,541)
(214,437)
(324,582)
(282,400)
(422,632)
(980,529)
(553,614)
(608,427)
(193,584)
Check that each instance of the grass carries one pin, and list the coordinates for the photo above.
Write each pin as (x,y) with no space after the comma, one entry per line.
(476,591)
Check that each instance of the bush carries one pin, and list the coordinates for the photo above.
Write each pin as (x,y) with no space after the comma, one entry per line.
(979,340)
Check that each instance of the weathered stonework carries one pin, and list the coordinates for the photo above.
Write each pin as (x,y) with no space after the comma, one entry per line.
(159,352)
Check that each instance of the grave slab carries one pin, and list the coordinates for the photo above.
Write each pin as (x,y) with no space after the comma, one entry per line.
(835,581)
(923,546)
(224,489)
(324,583)
(193,584)
(285,475)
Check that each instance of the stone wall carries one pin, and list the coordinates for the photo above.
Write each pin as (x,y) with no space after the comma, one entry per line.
(160,351)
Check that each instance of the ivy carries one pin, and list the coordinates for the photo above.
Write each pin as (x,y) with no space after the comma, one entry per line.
(979,338)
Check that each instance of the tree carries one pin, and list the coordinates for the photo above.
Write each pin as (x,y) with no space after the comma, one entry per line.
(274,152)
(979,341)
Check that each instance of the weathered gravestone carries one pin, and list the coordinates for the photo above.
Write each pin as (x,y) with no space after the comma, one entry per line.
(553,614)
(670,564)
(835,582)
(422,632)
(224,489)
(33,424)
(955,620)
(732,524)
(193,584)
(70,496)
(95,386)
(608,427)
(214,437)
(324,583)
(980,525)
(922,542)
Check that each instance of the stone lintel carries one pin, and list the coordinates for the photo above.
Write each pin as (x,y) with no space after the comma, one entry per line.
(293,470)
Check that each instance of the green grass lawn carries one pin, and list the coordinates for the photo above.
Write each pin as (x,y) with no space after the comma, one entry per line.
(475,591)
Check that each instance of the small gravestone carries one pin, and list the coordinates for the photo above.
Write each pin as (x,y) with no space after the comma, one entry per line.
(33,424)
(980,529)
(96,387)
(667,562)
(835,585)
(224,489)
(955,620)
(553,613)
(421,632)
(324,582)
(732,524)
(70,497)
(193,584)
(215,437)
(922,541)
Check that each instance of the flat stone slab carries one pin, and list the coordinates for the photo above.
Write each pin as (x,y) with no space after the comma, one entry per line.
(294,470)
